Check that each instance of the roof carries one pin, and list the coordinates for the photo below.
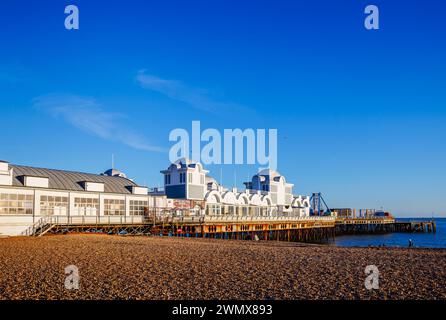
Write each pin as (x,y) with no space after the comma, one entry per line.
(268,172)
(210,179)
(70,180)
(185,162)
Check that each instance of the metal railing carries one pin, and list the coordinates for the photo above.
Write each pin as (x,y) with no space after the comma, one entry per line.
(31,230)
(380,220)
(38,227)
(80,220)
(83,220)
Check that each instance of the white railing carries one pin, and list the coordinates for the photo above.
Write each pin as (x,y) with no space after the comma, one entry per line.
(255,191)
(235,218)
(80,220)
(84,220)
(31,230)
(102,220)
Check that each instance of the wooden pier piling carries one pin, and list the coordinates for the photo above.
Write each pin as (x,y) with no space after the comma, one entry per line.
(384,225)
(307,229)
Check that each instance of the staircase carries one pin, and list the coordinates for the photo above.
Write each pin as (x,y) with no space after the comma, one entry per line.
(42,226)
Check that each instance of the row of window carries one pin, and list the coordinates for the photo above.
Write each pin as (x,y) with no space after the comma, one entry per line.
(114,207)
(167,178)
(51,205)
(138,207)
(14,203)
(58,205)
(216,209)
(14,196)
(86,206)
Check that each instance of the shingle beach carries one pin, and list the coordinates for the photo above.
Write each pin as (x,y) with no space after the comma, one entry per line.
(114,267)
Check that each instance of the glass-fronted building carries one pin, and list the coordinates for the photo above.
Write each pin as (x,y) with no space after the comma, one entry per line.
(28,194)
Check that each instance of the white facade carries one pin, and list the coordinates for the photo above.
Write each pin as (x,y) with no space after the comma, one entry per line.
(267,194)
(185,179)
(29,194)
(23,203)
(96,204)
(5,174)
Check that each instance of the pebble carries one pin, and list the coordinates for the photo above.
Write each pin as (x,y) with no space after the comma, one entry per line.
(115,267)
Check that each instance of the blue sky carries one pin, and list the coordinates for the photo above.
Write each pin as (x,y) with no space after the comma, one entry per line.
(360,114)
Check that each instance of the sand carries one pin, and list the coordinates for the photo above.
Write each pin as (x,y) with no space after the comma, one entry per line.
(114,267)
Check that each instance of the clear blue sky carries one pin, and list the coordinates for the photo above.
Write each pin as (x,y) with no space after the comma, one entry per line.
(360,114)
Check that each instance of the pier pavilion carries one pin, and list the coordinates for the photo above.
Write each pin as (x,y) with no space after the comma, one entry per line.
(29,194)
(36,200)
(266,195)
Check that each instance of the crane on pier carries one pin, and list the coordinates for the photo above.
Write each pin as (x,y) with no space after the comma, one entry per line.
(317,205)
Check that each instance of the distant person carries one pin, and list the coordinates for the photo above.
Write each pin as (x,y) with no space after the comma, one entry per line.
(410,243)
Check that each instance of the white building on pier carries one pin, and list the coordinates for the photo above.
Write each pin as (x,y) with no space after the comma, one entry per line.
(267,194)
(28,195)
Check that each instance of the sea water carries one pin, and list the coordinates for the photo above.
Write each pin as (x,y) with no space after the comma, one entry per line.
(423,240)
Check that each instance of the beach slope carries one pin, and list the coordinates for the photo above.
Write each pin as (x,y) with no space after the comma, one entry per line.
(113,267)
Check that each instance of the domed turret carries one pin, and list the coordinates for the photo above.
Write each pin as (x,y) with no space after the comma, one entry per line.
(114,173)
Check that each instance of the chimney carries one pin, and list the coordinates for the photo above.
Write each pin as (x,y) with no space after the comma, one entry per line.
(6,173)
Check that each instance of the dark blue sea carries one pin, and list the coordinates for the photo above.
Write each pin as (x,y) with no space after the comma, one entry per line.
(422,240)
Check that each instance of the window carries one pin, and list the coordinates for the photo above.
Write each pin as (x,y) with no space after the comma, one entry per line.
(182,177)
(256,211)
(114,207)
(202,179)
(229,209)
(53,205)
(86,206)
(167,179)
(138,207)
(242,210)
(213,209)
(16,203)
(189,176)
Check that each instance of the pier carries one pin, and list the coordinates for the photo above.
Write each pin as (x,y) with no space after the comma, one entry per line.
(296,229)
(315,229)
(381,225)
(363,225)
(415,226)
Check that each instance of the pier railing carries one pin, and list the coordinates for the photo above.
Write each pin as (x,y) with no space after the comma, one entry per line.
(31,230)
(75,220)
(376,220)
(44,224)
(139,219)
(235,218)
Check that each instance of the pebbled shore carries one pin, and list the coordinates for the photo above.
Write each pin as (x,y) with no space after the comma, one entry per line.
(113,267)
